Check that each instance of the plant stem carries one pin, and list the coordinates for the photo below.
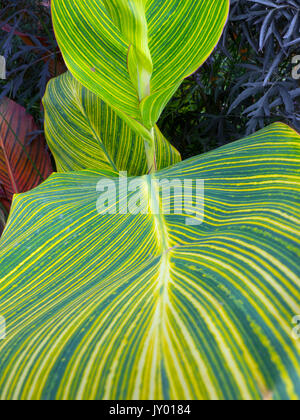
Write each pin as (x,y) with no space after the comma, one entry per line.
(150,153)
(144,91)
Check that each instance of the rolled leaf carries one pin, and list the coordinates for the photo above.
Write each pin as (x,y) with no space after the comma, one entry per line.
(153,306)
(85,133)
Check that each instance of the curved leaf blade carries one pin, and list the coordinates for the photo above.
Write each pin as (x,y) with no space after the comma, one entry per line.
(110,306)
(135,54)
(84,133)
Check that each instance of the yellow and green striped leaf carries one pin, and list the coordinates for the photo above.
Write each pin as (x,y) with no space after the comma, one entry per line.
(146,306)
(84,133)
(134,54)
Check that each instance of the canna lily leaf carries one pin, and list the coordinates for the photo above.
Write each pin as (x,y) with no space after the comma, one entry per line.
(148,306)
(84,133)
(135,54)
(23,165)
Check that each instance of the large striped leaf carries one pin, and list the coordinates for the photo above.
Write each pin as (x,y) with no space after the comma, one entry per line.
(84,133)
(147,306)
(135,53)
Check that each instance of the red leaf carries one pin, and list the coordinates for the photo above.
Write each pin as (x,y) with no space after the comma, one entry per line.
(23,166)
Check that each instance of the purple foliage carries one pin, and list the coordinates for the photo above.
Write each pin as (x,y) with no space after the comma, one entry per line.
(270,30)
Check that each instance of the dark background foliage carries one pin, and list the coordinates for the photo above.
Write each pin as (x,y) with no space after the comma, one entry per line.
(246,84)
(27,42)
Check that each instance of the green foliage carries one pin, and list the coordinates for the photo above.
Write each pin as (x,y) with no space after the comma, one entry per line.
(93,135)
(148,296)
